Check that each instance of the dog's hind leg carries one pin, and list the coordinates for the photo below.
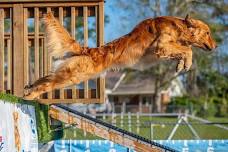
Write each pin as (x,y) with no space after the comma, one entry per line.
(52,82)
(73,71)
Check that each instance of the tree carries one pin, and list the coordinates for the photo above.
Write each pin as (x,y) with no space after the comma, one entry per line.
(160,72)
(212,12)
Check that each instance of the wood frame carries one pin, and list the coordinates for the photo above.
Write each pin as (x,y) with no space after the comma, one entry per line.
(19,42)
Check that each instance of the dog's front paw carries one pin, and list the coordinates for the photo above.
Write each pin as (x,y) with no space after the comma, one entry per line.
(29,96)
(180,66)
(28,87)
(187,64)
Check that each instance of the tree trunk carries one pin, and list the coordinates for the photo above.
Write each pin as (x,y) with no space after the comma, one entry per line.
(155,97)
(156,102)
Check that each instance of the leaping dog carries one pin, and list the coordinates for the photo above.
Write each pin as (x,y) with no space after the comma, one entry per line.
(151,40)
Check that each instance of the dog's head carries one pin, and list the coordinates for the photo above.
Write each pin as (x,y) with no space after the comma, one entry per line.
(200,34)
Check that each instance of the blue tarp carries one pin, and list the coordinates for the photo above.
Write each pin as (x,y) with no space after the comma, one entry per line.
(108,146)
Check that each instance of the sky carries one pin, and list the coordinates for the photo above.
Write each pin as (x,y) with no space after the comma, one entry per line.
(115,28)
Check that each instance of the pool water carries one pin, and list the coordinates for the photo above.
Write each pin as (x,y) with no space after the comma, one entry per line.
(108,146)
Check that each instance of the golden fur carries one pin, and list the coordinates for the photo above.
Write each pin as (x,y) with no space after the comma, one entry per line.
(150,41)
(59,40)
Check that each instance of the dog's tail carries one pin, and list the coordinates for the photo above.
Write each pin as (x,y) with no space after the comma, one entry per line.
(59,40)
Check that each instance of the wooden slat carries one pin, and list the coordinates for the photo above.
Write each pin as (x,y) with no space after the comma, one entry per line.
(9,64)
(54,101)
(6,5)
(18,46)
(7,13)
(42,57)
(61,15)
(97,95)
(85,24)
(73,22)
(50,94)
(100,24)
(9,54)
(45,53)
(43,62)
(26,49)
(31,35)
(91,11)
(66,12)
(97,41)
(74,95)
(1,50)
(100,39)
(36,45)
(61,22)
(60,4)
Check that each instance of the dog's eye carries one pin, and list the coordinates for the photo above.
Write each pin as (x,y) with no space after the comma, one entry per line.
(207,33)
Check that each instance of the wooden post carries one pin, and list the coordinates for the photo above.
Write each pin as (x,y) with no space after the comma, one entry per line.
(26,49)
(49,66)
(61,22)
(73,88)
(18,55)
(100,42)
(85,24)
(2,50)
(42,57)
(9,65)
(36,42)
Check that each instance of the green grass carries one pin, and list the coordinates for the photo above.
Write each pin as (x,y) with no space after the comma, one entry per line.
(159,131)
(208,131)
(219,119)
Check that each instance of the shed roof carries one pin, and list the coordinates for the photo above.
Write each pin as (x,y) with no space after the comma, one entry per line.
(133,83)
(112,77)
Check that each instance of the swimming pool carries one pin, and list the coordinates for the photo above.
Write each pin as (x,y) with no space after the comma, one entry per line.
(108,146)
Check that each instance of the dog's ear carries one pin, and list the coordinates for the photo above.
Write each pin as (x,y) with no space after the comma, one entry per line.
(189,21)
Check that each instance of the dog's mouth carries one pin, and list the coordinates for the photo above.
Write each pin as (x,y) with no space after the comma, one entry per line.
(206,47)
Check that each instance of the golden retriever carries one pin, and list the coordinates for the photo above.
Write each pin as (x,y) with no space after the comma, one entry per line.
(151,40)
